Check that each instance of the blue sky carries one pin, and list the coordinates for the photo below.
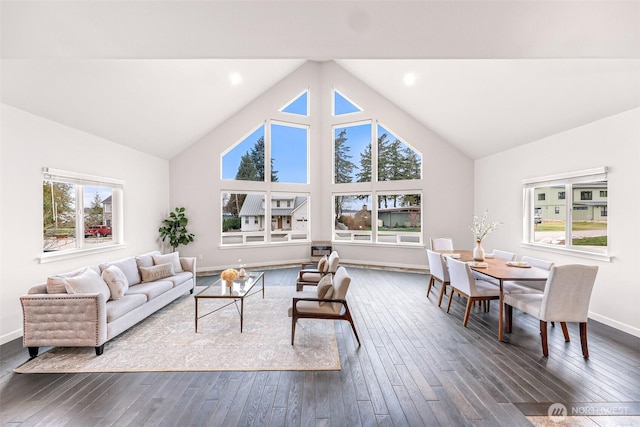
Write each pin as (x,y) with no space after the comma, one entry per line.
(288,149)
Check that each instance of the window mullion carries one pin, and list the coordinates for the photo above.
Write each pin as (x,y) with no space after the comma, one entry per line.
(568,230)
(79,216)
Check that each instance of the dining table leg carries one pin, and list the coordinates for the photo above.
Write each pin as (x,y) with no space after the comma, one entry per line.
(500,313)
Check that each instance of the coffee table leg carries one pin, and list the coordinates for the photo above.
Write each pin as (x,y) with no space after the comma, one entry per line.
(241,312)
(196,299)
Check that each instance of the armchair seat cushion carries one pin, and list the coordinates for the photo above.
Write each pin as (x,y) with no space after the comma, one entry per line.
(310,276)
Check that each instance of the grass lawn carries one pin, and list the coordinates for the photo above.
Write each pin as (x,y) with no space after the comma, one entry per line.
(577,226)
(591,241)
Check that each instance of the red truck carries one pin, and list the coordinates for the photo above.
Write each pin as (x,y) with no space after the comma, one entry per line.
(97,231)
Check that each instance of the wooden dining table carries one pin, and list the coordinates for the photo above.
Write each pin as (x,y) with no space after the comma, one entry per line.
(499,269)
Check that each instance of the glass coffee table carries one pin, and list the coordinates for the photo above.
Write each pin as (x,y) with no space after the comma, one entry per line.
(242,288)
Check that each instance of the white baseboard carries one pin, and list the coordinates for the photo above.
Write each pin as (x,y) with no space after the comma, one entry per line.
(615,324)
(10,336)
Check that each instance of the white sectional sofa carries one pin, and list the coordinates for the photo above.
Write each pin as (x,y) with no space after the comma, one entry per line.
(91,305)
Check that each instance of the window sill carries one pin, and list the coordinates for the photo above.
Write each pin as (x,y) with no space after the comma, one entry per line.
(77,253)
(570,252)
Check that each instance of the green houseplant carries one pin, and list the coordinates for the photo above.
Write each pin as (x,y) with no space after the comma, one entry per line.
(174,228)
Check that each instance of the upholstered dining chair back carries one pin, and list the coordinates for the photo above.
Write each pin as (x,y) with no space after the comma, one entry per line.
(437,266)
(509,256)
(461,276)
(537,262)
(441,244)
(567,293)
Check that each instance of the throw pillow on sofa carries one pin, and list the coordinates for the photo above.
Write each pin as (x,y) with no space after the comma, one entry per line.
(89,282)
(149,274)
(56,283)
(116,280)
(173,258)
(129,268)
(146,260)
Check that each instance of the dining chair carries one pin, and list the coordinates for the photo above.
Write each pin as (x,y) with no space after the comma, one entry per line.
(566,297)
(310,273)
(332,305)
(507,287)
(538,263)
(509,256)
(441,244)
(463,283)
(439,272)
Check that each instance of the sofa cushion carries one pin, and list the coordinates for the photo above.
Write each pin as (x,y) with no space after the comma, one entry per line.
(116,280)
(146,260)
(179,278)
(129,268)
(56,283)
(173,258)
(89,282)
(149,274)
(151,289)
(120,307)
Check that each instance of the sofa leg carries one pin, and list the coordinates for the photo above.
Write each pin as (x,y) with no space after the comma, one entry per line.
(100,350)
(33,352)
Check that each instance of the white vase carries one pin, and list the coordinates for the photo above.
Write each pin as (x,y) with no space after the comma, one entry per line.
(478,252)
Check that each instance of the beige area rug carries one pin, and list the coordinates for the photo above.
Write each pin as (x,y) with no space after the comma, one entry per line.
(166,341)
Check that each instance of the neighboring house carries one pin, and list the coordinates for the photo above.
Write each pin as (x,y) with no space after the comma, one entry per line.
(406,216)
(287,213)
(107,211)
(589,202)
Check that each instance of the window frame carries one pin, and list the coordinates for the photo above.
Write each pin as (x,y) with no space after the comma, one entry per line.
(81,180)
(569,180)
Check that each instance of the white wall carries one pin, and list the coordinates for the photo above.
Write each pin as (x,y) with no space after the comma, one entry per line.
(29,143)
(613,142)
(447,184)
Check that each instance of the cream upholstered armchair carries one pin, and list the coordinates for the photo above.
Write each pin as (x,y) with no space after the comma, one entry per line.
(331,305)
(565,299)
(310,274)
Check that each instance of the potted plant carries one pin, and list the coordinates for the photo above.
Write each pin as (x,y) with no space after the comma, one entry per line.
(174,228)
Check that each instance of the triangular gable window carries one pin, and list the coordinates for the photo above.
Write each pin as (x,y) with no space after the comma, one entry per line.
(299,105)
(342,105)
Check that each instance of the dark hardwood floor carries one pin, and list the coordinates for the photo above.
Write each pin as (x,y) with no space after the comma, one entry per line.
(417,366)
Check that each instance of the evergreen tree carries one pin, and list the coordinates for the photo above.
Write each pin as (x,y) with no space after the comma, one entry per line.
(257,155)
(94,216)
(343,165)
(247,169)
(364,175)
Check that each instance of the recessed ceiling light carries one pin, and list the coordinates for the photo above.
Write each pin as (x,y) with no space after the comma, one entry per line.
(409,79)
(235,78)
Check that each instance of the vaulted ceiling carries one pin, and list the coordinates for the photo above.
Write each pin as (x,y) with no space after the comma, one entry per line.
(154,75)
